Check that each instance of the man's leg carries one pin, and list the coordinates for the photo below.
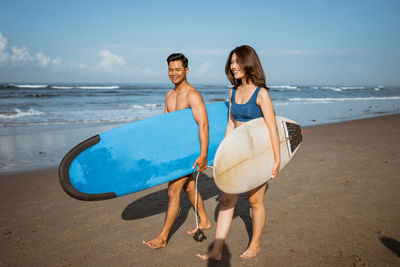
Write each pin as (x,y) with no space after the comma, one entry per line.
(204,222)
(174,196)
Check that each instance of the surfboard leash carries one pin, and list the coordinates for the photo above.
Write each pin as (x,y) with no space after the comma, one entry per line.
(199,236)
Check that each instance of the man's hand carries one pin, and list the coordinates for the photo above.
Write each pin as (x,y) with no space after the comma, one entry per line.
(201,161)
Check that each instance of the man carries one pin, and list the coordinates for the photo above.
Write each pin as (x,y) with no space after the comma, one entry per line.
(184,96)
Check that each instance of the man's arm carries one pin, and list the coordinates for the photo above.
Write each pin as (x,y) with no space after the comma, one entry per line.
(200,115)
(166,101)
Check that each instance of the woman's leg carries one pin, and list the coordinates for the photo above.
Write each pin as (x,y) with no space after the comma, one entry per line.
(228,202)
(256,199)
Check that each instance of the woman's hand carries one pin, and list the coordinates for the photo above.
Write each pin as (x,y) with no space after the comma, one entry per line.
(275,170)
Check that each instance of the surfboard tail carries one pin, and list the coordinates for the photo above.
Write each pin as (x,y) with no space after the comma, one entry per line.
(294,136)
(63,173)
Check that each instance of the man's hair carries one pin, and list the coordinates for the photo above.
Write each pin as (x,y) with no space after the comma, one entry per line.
(178,56)
(249,61)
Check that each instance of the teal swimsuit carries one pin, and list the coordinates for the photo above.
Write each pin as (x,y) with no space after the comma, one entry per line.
(247,111)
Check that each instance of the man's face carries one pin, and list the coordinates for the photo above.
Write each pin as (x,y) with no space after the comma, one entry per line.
(176,72)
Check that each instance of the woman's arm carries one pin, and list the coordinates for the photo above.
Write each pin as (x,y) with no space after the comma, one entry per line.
(230,125)
(265,103)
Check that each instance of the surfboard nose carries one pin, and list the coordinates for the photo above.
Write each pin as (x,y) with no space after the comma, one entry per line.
(64,173)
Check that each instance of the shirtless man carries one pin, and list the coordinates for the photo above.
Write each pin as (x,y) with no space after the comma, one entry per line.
(184,96)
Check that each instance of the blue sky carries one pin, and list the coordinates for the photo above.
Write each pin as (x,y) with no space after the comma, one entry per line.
(318,42)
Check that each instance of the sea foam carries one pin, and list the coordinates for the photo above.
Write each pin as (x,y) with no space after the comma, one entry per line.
(31,85)
(17,113)
(332,99)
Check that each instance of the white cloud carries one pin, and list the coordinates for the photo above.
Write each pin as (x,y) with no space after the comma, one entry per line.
(45,61)
(110,61)
(55,62)
(3,54)
(3,58)
(20,55)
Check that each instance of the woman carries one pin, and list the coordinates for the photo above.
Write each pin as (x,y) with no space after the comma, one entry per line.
(248,99)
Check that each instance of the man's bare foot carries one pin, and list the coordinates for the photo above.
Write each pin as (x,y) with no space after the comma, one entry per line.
(155,243)
(210,256)
(250,253)
(202,226)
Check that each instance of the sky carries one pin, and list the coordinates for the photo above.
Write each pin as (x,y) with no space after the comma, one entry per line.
(308,42)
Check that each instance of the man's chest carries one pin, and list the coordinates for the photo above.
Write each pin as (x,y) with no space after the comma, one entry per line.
(177,102)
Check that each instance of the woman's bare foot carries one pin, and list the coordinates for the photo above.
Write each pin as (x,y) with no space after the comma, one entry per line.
(203,226)
(211,255)
(155,243)
(250,252)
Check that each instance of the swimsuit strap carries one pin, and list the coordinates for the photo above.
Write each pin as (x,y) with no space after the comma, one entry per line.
(233,95)
(254,94)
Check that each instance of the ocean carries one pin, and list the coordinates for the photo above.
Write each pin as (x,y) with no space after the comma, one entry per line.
(41,122)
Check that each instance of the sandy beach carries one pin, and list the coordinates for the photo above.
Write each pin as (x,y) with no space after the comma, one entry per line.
(337,203)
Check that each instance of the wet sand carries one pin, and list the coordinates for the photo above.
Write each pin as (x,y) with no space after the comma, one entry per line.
(337,203)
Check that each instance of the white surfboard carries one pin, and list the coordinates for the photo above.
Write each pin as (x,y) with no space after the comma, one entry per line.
(244,159)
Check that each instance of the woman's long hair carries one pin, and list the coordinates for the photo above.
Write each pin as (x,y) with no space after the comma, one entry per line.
(250,63)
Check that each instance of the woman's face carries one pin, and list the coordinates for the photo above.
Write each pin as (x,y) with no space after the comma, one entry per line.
(236,69)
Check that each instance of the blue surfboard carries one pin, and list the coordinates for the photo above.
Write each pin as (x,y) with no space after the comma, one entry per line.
(139,155)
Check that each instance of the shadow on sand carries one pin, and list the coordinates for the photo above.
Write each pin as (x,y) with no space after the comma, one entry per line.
(157,202)
(391,244)
(226,257)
